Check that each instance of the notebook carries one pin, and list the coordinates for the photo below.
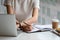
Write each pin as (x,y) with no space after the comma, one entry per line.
(40,28)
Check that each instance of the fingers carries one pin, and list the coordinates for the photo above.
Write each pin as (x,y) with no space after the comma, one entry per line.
(17,22)
(29,28)
(17,25)
(25,27)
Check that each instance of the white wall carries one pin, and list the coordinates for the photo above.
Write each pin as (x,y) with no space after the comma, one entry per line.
(49,10)
(2,8)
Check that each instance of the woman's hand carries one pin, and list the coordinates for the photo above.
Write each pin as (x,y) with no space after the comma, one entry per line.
(25,27)
(17,24)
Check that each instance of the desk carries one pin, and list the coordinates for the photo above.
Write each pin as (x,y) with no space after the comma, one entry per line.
(33,36)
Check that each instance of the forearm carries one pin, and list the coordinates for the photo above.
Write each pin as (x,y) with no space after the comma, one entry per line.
(34,17)
(9,9)
(31,20)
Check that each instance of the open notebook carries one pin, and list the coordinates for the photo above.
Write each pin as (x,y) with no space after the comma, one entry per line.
(40,28)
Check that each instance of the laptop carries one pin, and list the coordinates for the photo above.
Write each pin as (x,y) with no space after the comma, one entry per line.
(8,25)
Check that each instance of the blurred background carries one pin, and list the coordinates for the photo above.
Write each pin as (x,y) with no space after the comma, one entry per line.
(49,9)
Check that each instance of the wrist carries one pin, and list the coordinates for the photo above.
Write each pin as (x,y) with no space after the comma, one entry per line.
(26,24)
(23,24)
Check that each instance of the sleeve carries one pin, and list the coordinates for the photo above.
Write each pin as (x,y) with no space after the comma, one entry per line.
(36,4)
(7,2)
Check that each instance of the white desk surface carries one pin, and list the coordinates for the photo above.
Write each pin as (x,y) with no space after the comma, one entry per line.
(33,36)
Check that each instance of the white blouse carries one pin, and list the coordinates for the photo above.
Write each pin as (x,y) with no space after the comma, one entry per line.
(23,8)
